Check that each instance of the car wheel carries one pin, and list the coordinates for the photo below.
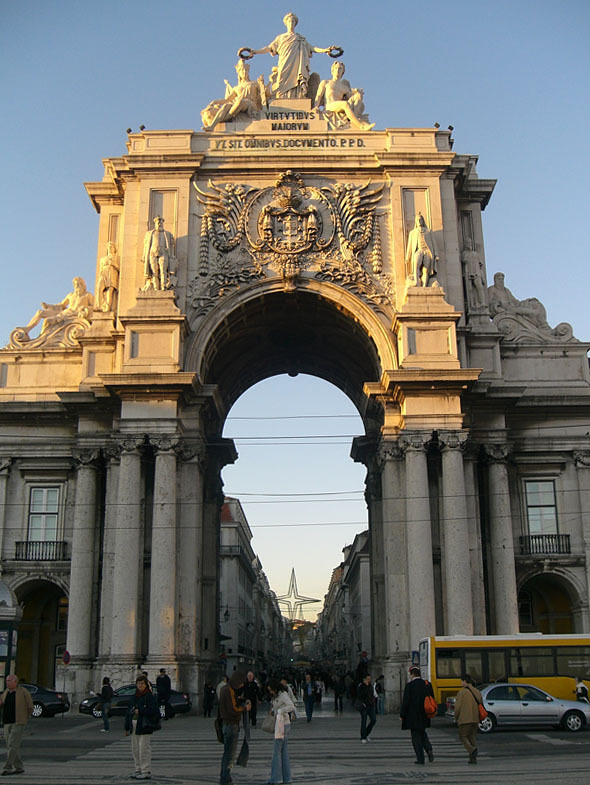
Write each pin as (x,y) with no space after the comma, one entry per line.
(97,711)
(488,725)
(37,710)
(573,721)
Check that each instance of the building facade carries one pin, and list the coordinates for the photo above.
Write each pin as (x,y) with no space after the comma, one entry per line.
(288,237)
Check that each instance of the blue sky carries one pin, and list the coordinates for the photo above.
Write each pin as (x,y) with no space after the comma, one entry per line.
(511,77)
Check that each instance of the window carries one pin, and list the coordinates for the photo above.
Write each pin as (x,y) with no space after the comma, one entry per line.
(43,514)
(540,506)
(531,662)
(573,661)
(503,693)
(448,663)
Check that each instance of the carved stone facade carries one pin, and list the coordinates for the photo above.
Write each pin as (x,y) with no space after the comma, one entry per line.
(291,246)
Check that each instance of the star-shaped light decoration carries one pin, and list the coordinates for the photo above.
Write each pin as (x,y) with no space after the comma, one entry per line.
(293,600)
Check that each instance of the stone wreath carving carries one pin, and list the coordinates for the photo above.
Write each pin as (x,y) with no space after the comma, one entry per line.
(286,230)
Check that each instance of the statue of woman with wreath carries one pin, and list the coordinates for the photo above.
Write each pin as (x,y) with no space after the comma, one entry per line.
(294,52)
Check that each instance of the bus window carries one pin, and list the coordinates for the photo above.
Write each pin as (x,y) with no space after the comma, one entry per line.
(448,663)
(531,662)
(573,661)
(496,665)
(473,665)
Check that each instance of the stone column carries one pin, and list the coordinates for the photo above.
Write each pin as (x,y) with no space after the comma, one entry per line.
(582,463)
(83,557)
(4,472)
(456,556)
(112,454)
(163,559)
(501,559)
(128,558)
(419,538)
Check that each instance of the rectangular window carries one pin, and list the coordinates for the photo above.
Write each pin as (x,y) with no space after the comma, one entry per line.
(531,661)
(541,507)
(448,663)
(573,661)
(43,514)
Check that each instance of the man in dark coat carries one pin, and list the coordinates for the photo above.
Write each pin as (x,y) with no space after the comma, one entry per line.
(163,688)
(251,691)
(413,715)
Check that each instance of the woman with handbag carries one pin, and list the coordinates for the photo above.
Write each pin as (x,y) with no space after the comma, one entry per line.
(281,708)
(141,720)
(467,706)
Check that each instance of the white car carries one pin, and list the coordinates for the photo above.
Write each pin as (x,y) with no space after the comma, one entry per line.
(522,704)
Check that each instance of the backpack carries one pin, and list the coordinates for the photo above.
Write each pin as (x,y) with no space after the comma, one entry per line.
(430,706)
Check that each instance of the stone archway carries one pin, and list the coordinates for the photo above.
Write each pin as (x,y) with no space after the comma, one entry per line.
(42,630)
(548,603)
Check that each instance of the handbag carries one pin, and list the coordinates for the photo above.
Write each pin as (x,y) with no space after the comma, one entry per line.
(480,708)
(430,705)
(219,729)
(268,723)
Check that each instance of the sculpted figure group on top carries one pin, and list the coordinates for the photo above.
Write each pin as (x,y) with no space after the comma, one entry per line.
(291,78)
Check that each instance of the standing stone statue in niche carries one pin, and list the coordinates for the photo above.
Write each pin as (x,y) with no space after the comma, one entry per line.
(294,53)
(245,98)
(422,254)
(343,104)
(158,252)
(75,305)
(108,280)
(475,277)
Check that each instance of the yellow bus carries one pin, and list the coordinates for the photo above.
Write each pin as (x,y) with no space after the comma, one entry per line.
(551,662)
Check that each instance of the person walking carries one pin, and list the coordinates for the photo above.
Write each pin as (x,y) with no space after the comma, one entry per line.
(339,690)
(141,720)
(414,717)
(106,696)
(17,707)
(283,708)
(208,699)
(366,700)
(164,688)
(380,690)
(467,715)
(309,693)
(581,690)
(230,713)
(252,692)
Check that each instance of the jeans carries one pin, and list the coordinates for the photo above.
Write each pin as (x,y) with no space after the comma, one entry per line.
(280,770)
(106,707)
(13,735)
(309,702)
(381,703)
(230,746)
(367,711)
(421,742)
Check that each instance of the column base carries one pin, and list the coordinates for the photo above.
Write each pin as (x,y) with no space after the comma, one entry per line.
(395,670)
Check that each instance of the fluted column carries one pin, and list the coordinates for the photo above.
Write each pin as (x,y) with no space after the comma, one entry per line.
(163,560)
(83,556)
(128,553)
(501,542)
(582,464)
(112,455)
(456,556)
(4,472)
(419,538)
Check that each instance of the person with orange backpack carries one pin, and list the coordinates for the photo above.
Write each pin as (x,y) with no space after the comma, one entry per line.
(413,714)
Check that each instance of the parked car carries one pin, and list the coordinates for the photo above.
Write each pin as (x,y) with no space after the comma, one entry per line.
(523,704)
(179,702)
(46,702)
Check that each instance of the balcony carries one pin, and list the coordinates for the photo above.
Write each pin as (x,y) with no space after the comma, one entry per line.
(34,550)
(542,544)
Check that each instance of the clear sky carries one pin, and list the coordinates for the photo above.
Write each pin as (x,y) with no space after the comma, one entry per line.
(511,77)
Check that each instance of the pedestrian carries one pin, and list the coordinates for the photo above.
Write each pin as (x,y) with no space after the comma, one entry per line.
(362,668)
(309,692)
(106,696)
(339,690)
(414,716)
(252,692)
(208,699)
(283,709)
(164,688)
(221,685)
(141,720)
(230,712)
(17,707)
(367,704)
(380,690)
(467,715)
(581,690)
(289,689)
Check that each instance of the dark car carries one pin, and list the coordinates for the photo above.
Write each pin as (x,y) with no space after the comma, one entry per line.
(46,702)
(179,702)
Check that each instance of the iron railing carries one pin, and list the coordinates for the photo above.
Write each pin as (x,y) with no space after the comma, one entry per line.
(532,544)
(37,550)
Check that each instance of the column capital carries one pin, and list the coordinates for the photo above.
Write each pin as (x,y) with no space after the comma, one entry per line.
(389,450)
(164,443)
(415,440)
(130,444)
(496,452)
(187,450)
(5,464)
(86,457)
(582,459)
(453,440)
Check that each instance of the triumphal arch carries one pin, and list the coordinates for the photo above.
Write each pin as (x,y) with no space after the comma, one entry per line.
(292,236)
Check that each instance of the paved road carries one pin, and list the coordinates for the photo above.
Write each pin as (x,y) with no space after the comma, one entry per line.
(72,751)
